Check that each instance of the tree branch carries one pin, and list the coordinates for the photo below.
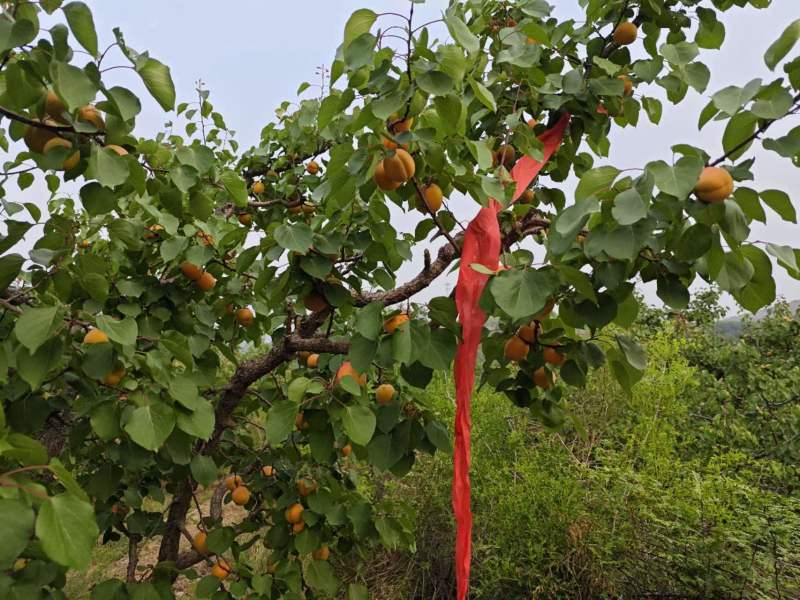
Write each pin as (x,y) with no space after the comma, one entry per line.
(34,123)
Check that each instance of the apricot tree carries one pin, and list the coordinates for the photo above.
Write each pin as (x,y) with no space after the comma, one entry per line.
(184,310)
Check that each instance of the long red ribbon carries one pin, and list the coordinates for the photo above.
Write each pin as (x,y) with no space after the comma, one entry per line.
(482,246)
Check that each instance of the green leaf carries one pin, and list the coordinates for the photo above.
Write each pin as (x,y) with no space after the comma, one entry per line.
(235,186)
(67,530)
(359,423)
(461,33)
(359,53)
(760,290)
(280,421)
(359,23)
(595,180)
(731,99)
(739,129)
(633,352)
(67,479)
(734,272)
(35,326)
(677,181)
(697,75)
(150,426)
(16,523)
(199,423)
(711,32)
(694,242)
(15,33)
(72,84)
(483,94)
(81,23)
(357,591)
(297,237)
(773,106)
(786,256)
(629,207)
(97,199)
(781,47)
(439,436)
(328,109)
(24,449)
(681,53)
(672,292)
(653,108)
(297,389)
(779,202)
(579,280)
(203,470)
(523,293)
(108,167)
(369,322)
(436,83)
(320,576)
(10,267)
(123,332)
(158,81)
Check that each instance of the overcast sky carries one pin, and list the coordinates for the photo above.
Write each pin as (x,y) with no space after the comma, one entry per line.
(253,54)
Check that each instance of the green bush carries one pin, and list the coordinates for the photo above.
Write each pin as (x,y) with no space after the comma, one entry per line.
(639,495)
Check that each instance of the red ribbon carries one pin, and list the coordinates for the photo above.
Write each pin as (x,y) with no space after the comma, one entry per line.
(482,246)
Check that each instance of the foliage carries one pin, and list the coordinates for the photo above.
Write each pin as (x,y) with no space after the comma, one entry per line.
(670,492)
(121,324)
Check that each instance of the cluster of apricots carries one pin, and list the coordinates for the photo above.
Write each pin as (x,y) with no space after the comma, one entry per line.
(98,336)
(204,280)
(44,140)
(518,346)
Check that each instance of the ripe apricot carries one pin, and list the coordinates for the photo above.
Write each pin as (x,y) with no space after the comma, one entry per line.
(312,167)
(206,281)
(245,316)
(268,471)
(322,553)
(527,197)
(384,394)
(86,244)
(505,155)
(191,270)
(715,185)
(298,527)
(625,33)
(114,377)
(432,194)
(118,149)
(391,324)
(532,123)
(205,238)
(303,355)
(400,167)
(300,421)
(221,569)
(308,208)
(59,142)
(382,180)
(257,188)
(36,137)
(516,349)
(306,487)
(543,378)
(90,114)
(153,231)
(233,481)
(95,336)
(240,495)
(294,513)
(312,361)
(397,125)
(54,106)
(626,81)
(527,333)
(347,369)
(346,450)
(553,356)
(199,542)
(315,302)
(245,219)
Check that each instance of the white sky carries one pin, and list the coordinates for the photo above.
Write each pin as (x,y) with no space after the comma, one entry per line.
(253,54)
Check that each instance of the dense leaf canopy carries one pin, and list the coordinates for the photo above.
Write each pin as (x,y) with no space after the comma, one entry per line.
(188,309)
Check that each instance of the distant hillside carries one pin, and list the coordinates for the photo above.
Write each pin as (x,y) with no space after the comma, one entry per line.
(732,326)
